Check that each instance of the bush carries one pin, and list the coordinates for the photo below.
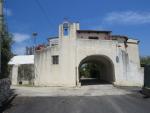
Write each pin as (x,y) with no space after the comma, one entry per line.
(145,60)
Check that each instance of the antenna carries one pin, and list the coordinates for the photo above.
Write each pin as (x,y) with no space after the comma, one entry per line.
(34,35)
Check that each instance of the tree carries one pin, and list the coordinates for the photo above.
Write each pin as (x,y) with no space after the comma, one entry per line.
(145,60)
(6,54)
(5,45)
(89,70)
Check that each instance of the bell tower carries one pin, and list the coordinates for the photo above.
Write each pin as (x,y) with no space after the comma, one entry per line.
(68,29)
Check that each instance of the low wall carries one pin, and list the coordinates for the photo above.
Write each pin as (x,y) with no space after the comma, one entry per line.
(147,76)
(5,91)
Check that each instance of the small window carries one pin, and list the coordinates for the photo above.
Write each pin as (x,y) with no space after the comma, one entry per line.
(93,37)
(55,59)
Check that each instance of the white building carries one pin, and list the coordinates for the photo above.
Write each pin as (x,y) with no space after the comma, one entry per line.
(59,63)
(22,69)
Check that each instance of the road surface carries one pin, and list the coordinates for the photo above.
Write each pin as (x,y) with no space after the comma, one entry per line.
(129,101)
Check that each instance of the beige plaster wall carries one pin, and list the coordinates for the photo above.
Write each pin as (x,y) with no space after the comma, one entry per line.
(72,50)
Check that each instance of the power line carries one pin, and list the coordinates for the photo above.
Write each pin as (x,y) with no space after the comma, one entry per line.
(42,9)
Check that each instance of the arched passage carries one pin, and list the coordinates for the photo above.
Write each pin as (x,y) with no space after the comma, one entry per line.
(96,69)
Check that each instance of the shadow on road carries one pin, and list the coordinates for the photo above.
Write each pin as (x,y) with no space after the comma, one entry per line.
(92,81)
(7,103)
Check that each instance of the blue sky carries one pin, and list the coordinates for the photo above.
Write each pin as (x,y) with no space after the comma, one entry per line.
(124,17)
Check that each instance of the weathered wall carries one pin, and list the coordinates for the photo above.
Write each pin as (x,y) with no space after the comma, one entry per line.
(14,75)
(26,74)
(99,48)
(72,50)
(23,73)
(63,74)
(136,73)
(5,91)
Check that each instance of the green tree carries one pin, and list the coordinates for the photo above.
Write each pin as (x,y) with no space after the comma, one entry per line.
(89,70)
(145,60)
(6,54)
(5,44)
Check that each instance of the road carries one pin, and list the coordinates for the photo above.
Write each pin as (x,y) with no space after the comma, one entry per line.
(129,101)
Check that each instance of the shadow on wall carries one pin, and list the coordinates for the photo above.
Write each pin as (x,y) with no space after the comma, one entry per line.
(96,69)
(26,74)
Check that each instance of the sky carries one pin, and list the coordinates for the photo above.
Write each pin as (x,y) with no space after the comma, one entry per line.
(122,17)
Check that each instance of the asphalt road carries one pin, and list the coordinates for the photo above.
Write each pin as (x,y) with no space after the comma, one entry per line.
(129,103)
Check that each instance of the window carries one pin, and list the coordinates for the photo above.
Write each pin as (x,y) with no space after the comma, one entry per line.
(55,59)
(92,37)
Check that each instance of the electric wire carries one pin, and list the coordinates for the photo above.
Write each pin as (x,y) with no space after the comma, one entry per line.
(42,9)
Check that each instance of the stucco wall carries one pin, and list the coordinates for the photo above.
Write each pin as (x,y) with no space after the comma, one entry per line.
(23,74)
(62,74)
(14,74)
(72,50)
(99,47)
(135,71)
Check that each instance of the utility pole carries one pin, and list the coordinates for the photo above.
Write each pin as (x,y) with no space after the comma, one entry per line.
(1,28)
(1,16)
(34,34)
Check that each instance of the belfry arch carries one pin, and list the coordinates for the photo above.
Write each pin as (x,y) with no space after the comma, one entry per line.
(96,69)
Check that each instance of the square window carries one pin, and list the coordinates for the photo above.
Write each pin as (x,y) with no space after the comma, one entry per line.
(55,59)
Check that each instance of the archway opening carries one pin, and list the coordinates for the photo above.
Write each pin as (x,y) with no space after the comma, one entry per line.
(96,69)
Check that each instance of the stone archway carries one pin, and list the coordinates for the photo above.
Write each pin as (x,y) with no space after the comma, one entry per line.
(100,70)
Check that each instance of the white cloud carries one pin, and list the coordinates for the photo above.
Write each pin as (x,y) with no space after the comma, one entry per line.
(8,12)
(128,17)
(19,37)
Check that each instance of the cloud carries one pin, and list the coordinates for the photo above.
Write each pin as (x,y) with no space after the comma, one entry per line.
(127,18)
(8,12)
(19,37)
